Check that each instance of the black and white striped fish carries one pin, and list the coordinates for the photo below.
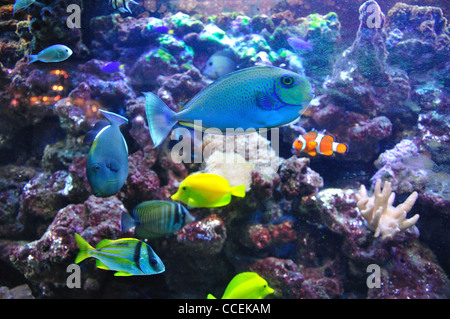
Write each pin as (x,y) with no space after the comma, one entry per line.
(122,5)
(156,218)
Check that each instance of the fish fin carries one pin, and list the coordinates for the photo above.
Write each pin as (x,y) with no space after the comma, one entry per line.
(122,274)
(238,280)
(33,58)
(113,165)
(225,200)
(101,265)
(210,296)
(238,191)
(341,148)
(192,203)
(141,232)
(312,153)
(114,118)
(92,134)
(84,247)
(160,118)
(266,102)
(327,153)
(126,222)
(103,243)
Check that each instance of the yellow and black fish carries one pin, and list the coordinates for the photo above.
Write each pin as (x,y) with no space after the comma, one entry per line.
(122,5)
(128,256)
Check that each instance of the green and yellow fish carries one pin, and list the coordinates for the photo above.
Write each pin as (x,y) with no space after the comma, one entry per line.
(128,256)
(251,98)
(207,190)
(156,218)
(246,285)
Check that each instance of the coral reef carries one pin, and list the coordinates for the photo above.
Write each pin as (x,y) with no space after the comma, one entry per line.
(382,217)
(302,225)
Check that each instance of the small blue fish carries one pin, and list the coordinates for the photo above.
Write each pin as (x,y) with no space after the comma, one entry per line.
(112,67)
(298,43)
(107,162)
(122,5)
(219,64)
(54,53)
(156,218)
(161,29)
(128,256)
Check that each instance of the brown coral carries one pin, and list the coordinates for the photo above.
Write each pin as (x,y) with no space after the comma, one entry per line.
(379,213)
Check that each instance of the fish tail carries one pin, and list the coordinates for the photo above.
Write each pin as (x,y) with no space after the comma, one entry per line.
(210,297)
(160,118)
(33,58)
(84,247)
(238,191)
(126,222)
(341,148)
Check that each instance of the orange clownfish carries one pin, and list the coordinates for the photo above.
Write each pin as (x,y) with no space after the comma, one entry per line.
(314,142)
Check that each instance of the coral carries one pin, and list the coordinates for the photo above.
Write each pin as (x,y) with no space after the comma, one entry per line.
(298,179)
(261,236)
(44,261)
(385,219)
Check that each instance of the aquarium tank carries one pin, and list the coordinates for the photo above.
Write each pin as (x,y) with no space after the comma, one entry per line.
(229,149)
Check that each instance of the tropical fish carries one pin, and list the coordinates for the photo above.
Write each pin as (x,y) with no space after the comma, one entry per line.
(314,142)
(219,64)
(112,67)
(298,43)
(128,256)
(23,4)
(207,190)
(156,218)
(107,161)
(256,97)
(54,53)
(246,285)
(122,5)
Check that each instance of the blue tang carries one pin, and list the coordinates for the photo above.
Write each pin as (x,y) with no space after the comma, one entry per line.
(54,53)
(128,256)
(107,162)
(256,97)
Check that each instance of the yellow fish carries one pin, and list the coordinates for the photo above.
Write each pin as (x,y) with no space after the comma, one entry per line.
(207,190)
(246,285)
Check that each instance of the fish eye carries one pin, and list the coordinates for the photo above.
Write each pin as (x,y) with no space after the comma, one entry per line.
(183,188)
(287,81)
(96,168)
(210,63)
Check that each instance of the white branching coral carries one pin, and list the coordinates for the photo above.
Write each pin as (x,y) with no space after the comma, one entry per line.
(381,216)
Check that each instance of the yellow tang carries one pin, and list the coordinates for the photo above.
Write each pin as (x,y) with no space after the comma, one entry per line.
(246,285)
(207,190)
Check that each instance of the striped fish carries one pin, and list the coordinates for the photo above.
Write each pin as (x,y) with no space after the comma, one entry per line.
(122,5)
(128,256)
(156,218)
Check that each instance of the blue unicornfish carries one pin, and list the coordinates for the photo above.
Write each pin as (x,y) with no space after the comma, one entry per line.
(156,218)
(107,161)
(127,256)
(54,53)
(256,97)
(122,5)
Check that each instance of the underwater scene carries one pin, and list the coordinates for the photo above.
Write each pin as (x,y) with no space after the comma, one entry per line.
(195,149)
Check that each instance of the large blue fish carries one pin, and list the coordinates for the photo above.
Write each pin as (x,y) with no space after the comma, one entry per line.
(128,256)
(107,162)
(256,97)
